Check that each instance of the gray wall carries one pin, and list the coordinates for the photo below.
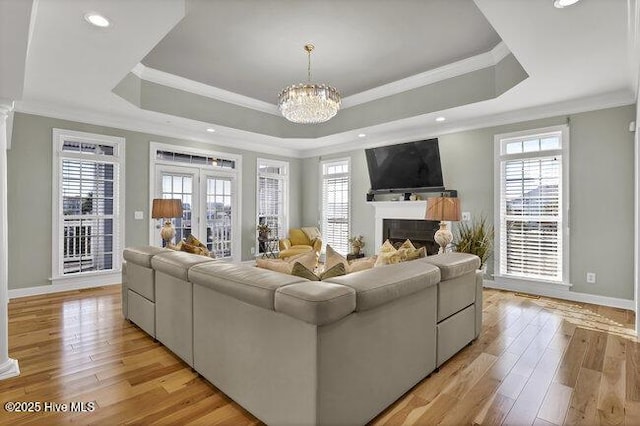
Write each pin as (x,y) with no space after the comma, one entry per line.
(601,191)
(29,192)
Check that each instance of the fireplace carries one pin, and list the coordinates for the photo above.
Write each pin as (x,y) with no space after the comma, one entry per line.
(419,231)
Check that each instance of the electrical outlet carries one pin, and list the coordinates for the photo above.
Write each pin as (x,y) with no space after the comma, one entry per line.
(466,216)
(591,277)
(252,250)
(138,215)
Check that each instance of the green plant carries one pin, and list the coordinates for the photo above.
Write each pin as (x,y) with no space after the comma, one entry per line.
(475,238)
(263,228)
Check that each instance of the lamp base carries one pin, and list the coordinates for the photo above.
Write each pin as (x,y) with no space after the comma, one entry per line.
(443,237)
(167,232)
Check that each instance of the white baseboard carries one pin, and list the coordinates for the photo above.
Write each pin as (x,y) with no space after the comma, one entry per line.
(86,282)
(564,294)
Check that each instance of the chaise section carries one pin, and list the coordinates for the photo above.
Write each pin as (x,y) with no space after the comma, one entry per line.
(457,302)
(174,301)
(138,287)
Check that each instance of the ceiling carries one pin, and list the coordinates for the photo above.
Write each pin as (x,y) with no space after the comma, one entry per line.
(176,68)
(247,48)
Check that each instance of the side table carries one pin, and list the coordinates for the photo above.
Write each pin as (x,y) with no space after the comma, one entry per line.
(269,247)
(352,256)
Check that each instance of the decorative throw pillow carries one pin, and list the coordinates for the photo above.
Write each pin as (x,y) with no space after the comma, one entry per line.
(277,265)
(335,271)
(362,264)
(408,251)
(191,239)
(333,258)
(299,270)
(309,260)
(388,255)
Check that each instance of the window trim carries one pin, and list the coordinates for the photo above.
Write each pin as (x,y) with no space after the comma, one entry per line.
(321,203)
(59,136)
(236,173)
(285,205)
(500,141)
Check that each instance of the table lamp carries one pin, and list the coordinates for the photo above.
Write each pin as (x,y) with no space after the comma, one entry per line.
(443,209)
(166,209)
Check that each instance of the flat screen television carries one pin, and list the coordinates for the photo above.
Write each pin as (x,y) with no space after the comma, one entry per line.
(405,167)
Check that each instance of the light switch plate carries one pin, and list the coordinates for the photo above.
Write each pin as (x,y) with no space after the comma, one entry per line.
(138,215)
(466,216)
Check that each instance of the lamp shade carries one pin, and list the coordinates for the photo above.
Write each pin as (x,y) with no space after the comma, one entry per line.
(443,208)
(166,208)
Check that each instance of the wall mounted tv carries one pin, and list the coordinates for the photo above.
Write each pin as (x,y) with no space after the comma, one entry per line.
(405,167)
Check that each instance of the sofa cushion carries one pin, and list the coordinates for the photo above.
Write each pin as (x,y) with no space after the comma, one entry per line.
(142,255)
(252,285)
(453,264)
(177,263)
(316,303)
(299,270)
(378,286)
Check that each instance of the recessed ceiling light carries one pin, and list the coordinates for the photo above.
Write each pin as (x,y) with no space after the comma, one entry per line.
(440,119)
(210,130)
(361,135)
(564,3)
(97,20)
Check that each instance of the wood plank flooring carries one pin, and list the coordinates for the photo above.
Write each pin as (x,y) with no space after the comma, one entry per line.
(537,362)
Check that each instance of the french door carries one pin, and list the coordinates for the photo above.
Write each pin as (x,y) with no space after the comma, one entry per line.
(208,202)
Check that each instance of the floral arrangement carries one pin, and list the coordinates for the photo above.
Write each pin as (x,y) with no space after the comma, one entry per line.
(356,241)
(263,228)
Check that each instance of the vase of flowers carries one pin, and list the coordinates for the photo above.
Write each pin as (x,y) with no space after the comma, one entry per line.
(263,231)
(357,242)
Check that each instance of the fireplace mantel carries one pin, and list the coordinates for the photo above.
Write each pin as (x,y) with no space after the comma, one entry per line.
(395,210)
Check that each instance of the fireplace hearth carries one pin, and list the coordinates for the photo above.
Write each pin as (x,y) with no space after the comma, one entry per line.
(419,231)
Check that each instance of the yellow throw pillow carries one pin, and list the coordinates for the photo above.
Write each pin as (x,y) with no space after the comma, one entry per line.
(333,258)
(415,254)
(388,255)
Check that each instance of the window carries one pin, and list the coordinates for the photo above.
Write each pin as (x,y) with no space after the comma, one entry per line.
(272,206)
(335,204)
(207,182)
(86,185)
(532,205)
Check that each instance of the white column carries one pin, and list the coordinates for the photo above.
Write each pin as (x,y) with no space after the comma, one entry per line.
(8,366)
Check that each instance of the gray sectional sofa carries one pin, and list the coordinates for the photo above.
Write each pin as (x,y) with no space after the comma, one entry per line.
(296,352)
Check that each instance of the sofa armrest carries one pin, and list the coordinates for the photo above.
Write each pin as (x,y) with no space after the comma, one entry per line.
(284,244)
(316,303)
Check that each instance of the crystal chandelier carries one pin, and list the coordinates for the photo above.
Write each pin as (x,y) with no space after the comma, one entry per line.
(307,102)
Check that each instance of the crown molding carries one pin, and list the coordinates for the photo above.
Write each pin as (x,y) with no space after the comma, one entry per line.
(455,69)
(423,127)
(445,72)
(384,134)
(155,124)
(174,81)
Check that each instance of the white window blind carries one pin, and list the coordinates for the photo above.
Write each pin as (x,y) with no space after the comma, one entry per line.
(531,212)
(87,233)
(273,180)
(335,204)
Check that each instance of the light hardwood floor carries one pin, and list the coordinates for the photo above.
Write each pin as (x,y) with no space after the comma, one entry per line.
(537,361)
